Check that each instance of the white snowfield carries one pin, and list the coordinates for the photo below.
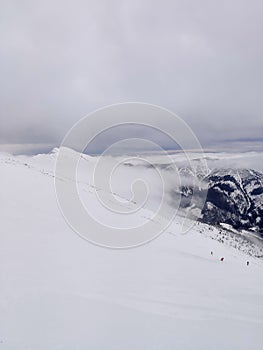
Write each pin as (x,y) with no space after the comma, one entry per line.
(58,291)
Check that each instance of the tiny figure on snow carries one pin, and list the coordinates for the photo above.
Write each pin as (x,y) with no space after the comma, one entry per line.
(211,252)
(247,263)
(222,259)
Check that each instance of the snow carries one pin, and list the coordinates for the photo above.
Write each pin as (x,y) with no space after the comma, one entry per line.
(59,291)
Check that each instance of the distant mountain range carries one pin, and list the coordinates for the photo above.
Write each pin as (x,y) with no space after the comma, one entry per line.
(234,197)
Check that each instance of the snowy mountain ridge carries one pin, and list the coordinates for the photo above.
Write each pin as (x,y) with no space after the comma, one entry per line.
(58,291)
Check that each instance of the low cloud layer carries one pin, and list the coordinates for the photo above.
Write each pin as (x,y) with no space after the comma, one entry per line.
(201,59)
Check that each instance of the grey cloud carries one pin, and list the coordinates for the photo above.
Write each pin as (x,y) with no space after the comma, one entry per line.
(201,59)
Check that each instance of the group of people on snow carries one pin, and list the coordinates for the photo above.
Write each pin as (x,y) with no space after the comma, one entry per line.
(222,258)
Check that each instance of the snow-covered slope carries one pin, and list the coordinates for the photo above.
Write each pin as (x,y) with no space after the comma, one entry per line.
(59,291)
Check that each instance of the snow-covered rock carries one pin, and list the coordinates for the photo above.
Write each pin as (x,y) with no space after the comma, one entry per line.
(235,196)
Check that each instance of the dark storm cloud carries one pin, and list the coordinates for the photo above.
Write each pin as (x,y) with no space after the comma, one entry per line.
(63,59)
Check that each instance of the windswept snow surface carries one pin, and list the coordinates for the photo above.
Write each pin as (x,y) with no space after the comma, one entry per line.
(59,291)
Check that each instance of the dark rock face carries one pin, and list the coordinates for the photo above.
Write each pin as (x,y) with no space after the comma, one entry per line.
(234,197)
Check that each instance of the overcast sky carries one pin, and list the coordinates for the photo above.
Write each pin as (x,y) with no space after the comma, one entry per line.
(62,59)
